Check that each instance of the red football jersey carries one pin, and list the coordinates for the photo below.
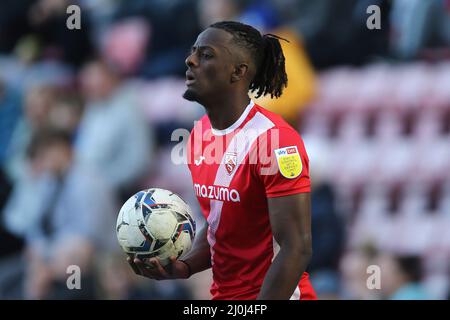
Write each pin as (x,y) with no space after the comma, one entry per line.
(234,171)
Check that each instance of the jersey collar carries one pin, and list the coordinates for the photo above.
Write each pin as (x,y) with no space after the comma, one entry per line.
(235,125)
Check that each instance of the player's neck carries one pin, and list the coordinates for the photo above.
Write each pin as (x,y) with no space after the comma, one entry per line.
(222,114)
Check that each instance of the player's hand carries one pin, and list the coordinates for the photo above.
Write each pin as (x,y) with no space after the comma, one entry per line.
(153,269)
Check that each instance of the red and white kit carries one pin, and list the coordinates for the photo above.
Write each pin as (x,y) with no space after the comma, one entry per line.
(234,171)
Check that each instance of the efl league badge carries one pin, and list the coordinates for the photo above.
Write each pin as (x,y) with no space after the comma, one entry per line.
(230,162)
(289,162)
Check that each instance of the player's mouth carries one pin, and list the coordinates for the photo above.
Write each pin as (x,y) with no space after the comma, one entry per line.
(190,79)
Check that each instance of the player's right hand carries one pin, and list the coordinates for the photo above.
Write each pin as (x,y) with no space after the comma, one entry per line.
(153,269)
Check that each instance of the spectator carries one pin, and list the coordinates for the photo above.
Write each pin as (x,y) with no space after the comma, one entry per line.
(48,19)
(10,112)
(10,244)
(219,10)
(415,25)
(335,32)
(65,211)
(327,224)
(66,112)
(113,137)
(328,232)
(401,277)
(36,107)
(353,269)
(166,51)
(125,44)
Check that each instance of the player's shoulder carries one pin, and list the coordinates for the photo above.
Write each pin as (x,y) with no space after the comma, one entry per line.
(279,124)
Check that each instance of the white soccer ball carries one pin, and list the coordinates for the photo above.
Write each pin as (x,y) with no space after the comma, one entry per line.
(155,223)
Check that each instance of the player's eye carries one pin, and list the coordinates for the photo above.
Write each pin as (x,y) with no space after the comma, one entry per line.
(206,55)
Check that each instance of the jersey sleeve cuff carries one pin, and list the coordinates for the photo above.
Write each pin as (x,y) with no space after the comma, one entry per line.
(282,193)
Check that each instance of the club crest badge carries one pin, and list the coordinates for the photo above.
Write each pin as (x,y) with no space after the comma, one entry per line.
(230,162)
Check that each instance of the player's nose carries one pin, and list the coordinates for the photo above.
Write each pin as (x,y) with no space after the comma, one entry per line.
(190,60)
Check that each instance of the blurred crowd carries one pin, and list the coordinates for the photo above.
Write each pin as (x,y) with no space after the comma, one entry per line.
(86,118)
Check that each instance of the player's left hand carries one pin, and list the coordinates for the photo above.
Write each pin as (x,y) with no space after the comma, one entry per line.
(153,269)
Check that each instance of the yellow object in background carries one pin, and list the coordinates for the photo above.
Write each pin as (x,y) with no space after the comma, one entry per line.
(301,79)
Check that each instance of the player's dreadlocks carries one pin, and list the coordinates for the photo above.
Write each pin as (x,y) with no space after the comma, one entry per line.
(270,75)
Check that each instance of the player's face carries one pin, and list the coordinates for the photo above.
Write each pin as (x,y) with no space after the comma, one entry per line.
(210,66)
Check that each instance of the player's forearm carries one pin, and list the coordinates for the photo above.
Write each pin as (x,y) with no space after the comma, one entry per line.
(284,274)
(199,258)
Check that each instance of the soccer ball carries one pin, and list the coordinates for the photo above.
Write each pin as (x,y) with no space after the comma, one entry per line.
(155,223)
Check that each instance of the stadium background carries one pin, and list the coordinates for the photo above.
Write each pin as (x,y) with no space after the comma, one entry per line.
(373,107)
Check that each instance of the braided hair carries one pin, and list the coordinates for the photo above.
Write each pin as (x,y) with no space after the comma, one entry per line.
(270,77)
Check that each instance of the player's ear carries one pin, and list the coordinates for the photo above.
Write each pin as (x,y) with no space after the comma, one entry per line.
(240,72)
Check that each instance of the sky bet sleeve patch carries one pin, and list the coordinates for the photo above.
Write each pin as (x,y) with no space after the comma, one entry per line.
(289,162)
